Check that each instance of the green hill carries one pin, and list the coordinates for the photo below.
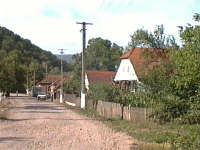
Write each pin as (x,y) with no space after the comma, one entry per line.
(19,59)
(10,41)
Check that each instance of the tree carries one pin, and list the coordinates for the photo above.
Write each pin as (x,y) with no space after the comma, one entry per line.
(186,82)
(11,72)
(183,100)
(101,54)
(157,39)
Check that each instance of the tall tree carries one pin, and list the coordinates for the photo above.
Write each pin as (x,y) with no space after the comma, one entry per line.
(186,82)
(157,39)
(102,55)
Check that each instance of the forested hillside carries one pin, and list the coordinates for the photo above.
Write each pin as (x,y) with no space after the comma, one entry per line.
(19,59)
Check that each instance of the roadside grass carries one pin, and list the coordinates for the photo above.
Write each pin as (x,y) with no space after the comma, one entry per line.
(148,136)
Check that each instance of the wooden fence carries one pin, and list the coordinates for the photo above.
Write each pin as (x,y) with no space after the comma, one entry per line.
(113,110)
(116,111)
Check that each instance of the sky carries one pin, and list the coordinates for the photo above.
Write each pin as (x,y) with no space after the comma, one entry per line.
(51,24)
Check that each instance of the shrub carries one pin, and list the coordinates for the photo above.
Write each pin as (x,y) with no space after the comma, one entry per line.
(187,141)
(101,91)
(73,87)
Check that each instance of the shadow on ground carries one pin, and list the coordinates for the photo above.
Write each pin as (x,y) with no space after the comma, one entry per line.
(12,139)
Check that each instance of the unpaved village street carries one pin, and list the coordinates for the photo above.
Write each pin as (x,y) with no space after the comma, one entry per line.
(40,125)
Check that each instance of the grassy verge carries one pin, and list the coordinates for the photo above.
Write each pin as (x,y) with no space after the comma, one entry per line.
(150,136)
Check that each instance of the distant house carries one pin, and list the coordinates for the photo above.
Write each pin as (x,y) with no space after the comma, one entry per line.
(137,62)
(52,83)
(92,77)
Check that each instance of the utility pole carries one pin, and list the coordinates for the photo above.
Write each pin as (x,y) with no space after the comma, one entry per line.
(83,68)
(61,68)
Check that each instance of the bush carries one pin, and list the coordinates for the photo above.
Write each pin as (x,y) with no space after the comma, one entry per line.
(73,87)
(169,109)
(187,141)
(100,91)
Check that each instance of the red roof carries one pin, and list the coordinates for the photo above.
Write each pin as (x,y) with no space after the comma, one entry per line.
(54,80)
(144,59)
(100,76)
(50,79)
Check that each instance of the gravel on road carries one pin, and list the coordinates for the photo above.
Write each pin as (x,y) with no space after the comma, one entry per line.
(42,125)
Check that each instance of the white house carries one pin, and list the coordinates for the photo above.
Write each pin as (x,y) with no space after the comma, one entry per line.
(136,62)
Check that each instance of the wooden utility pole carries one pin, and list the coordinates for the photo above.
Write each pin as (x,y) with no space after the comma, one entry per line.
(61,68)
(83,66)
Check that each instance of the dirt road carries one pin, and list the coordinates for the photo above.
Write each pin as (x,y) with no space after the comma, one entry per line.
(37,125)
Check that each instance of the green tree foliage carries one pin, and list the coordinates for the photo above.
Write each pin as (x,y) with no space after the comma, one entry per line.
(73,87)
(101,54)
(187,61)
(182,102)
(11,72)
(101,91)
(157,39)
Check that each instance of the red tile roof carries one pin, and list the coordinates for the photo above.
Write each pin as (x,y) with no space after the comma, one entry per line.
(54,80)
(100,76)
(144,59)
(50,79)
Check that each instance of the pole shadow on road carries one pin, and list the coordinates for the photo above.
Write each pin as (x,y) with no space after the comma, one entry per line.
(8,139)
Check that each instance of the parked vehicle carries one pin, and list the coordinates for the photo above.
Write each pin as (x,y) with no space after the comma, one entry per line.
(34,92)
(42,96)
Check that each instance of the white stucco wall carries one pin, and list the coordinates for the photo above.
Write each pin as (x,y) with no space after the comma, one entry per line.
(126,71)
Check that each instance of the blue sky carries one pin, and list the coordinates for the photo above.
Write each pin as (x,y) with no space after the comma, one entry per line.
(51,24)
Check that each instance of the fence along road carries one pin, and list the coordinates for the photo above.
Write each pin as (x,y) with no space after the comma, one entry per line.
(39,125)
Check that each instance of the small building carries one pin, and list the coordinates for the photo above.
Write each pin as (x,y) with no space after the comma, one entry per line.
(51,84)
(92,77)
(137,62)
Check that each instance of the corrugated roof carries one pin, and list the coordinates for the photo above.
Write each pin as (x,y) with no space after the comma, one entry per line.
(100,76)
(144,59)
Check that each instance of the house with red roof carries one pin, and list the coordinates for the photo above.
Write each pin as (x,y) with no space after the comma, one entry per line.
(92,77)
(52,83)
(137,62)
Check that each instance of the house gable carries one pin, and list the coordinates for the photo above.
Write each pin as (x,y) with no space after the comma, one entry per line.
(126,71)
(141,59)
